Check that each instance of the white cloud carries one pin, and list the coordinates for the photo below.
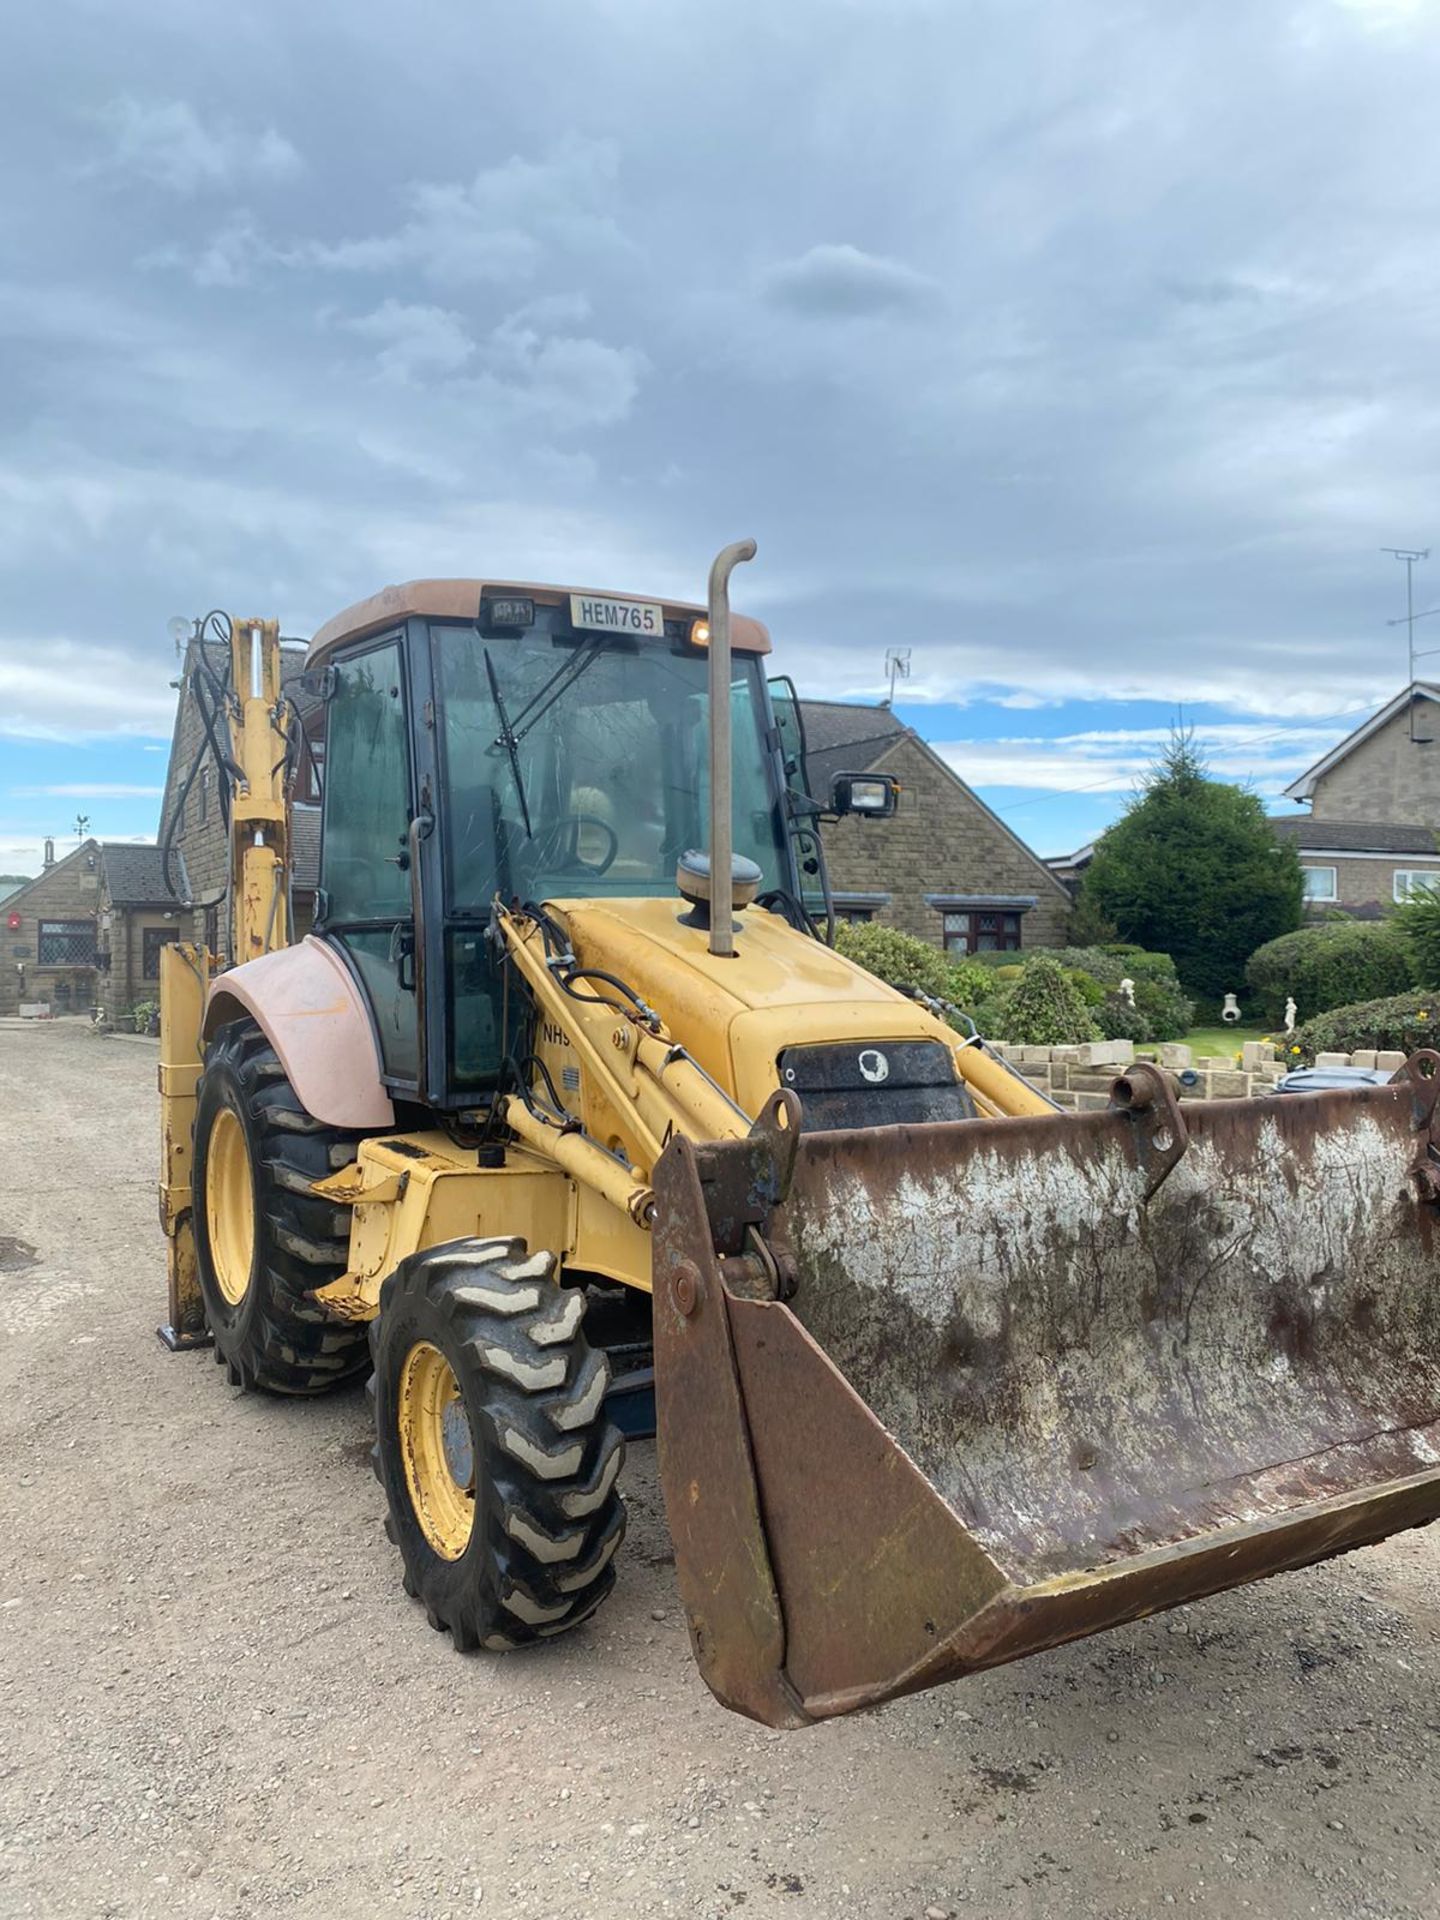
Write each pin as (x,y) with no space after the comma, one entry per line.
(60,689)
(23,850)
(1115,759)
(1388,13)
(1026,702)
(166,143)
(229,258)
(500,226)
(520,374)
(843,282)
(560,381)
(415,341)
(94,790)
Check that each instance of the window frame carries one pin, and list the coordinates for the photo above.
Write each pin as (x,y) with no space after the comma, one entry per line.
(152,939)
(1428,877)
(965,941)
(413,700)
(347,657)
(65,930)
(1321,899)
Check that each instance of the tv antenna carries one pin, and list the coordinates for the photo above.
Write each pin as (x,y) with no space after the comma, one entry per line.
(1411,557)
(897,667)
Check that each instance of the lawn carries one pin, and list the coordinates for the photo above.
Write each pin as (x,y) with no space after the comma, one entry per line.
(1215,1041)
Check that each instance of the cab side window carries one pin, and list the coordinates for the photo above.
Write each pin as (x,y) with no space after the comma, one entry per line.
(364,866)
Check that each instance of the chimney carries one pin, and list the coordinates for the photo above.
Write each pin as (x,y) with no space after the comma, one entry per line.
(49,853)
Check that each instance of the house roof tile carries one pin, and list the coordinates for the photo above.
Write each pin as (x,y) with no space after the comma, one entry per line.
(1353,836)
(843,738)
(134,876)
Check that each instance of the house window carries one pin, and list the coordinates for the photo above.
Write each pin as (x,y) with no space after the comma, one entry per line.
(981,930)
(67,943)
(1410,880)
(1319,882)
(204,809)
(155,938)
(858,909)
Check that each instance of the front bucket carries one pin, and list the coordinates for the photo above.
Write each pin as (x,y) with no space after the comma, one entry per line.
(1027,1378)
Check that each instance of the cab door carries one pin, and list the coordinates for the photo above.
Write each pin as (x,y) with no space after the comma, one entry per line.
(365,897)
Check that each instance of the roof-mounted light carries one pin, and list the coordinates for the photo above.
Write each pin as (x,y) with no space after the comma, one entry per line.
(506,612)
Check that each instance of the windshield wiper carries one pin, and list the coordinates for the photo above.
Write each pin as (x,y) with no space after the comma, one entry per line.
(561,681)
(510,740)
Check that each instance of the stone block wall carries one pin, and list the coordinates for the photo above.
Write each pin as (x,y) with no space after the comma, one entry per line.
(941,840)
(124,981)
(1080,1077)
(1386,778)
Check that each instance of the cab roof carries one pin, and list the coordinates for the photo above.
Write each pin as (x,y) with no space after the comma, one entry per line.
(460,600)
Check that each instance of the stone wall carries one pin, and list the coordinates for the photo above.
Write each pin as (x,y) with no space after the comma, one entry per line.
(941,840)
(70,890)
(1080,1077)
(124,982)
(1387,778)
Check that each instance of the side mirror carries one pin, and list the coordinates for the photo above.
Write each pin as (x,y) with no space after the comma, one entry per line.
(871,795)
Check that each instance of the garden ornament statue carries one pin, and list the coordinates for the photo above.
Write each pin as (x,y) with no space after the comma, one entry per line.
(1230,1012)
(1127,992)
(1290,1012)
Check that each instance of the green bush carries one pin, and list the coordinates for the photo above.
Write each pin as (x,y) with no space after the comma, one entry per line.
(1096,961)
(1098,971)
(989,1015)
(1417,922)
(1044,1010)
(902,961)
(1334,965)
(1168,1010)
(1120,1021)
(1398,1024)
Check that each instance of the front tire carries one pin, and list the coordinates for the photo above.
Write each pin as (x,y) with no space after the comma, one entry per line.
(498,1463)
(263,1240)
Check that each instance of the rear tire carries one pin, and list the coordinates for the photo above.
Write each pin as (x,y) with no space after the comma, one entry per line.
(263,1241)
(498,1463)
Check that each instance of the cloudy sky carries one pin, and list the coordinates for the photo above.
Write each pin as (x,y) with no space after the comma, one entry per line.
(1085,348)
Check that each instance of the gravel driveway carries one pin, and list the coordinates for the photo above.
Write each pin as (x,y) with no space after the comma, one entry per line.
(215,1698)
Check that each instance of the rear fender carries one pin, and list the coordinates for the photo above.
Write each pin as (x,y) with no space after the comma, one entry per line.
(309,1008)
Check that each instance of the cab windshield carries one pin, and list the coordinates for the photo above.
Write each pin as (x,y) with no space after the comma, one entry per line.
(579,766)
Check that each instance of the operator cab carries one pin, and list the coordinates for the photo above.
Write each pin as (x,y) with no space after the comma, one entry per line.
(484,740)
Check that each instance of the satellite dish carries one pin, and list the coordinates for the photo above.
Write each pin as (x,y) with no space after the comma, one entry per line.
(178,628)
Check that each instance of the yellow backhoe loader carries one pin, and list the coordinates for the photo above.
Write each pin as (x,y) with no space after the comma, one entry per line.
(567,1093)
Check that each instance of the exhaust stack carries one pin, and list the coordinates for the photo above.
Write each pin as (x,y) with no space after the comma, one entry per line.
(722,859)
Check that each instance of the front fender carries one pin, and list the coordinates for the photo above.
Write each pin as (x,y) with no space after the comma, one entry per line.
(308,1006)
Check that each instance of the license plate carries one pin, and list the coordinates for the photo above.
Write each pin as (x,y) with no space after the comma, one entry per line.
(616,616)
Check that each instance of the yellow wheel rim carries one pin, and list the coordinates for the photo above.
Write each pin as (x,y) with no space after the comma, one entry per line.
(438,1449)
(230,1206)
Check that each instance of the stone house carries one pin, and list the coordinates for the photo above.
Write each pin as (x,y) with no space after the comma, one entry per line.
(50,927)
(137,918)
(944,867)
(1369,836)
(87,931)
